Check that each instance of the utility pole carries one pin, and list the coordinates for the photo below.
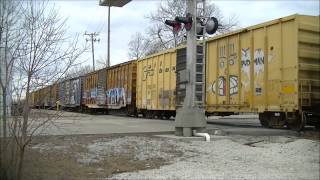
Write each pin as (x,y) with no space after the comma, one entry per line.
(108,60)
(93,39)
(111,3)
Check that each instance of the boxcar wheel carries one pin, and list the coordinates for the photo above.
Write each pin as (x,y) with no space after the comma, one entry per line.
(149,115)
(263,118)
(276,121)
(298,123)
(167,116)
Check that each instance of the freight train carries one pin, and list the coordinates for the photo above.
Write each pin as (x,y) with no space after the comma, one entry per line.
(271,68)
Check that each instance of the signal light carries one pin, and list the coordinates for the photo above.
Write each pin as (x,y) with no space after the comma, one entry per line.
(212,25)
(176,25)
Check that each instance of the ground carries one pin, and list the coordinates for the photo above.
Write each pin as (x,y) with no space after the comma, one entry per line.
(81,146)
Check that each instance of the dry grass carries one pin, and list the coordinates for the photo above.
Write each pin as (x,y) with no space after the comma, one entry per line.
(63,163)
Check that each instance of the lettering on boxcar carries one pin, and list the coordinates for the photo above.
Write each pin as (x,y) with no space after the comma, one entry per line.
(167,69)
(147,71)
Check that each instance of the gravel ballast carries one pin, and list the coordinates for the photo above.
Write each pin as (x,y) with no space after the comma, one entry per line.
(269,158)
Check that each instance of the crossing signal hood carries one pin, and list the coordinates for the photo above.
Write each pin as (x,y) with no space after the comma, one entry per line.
(174,24)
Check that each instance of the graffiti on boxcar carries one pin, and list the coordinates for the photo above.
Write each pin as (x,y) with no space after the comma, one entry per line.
(166,97)
(75,90)
(233,85)
(93,93)
(258,61)
(232,59)
(245,66)
(258,70)
(221,86)
(222,89)
(245,60)
(116,96)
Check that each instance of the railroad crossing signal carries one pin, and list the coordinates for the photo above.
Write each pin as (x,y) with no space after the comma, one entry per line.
(211,24)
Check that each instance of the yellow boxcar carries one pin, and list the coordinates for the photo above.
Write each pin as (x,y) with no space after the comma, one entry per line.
(270,68)
(44,95)
(156,84)
(54,95)
(36,101)
(121,88)
(32,99)
(94,85)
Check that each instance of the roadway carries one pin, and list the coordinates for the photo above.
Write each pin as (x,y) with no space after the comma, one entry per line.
(77,123)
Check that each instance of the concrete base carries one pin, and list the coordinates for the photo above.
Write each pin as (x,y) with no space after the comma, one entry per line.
(171,136)
(178,131)
(188,119)
(187,132)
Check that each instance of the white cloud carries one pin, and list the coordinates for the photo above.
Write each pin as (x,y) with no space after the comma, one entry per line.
(89,16)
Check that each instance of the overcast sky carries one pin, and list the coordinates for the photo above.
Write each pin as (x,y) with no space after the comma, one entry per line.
(88,16)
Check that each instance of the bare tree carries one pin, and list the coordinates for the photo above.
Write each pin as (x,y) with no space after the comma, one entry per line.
(138,46)
(44,55)
(163,35)
(78,70)
(10,41)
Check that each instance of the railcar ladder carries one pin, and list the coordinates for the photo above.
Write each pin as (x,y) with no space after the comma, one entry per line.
(200,62)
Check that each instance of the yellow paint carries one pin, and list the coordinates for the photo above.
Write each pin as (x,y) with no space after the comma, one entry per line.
(288,89)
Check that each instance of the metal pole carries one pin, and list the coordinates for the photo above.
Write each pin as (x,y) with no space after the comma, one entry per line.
(191,55)
(108,60)
(190,117)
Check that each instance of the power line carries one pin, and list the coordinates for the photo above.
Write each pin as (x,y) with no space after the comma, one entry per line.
(93,39)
